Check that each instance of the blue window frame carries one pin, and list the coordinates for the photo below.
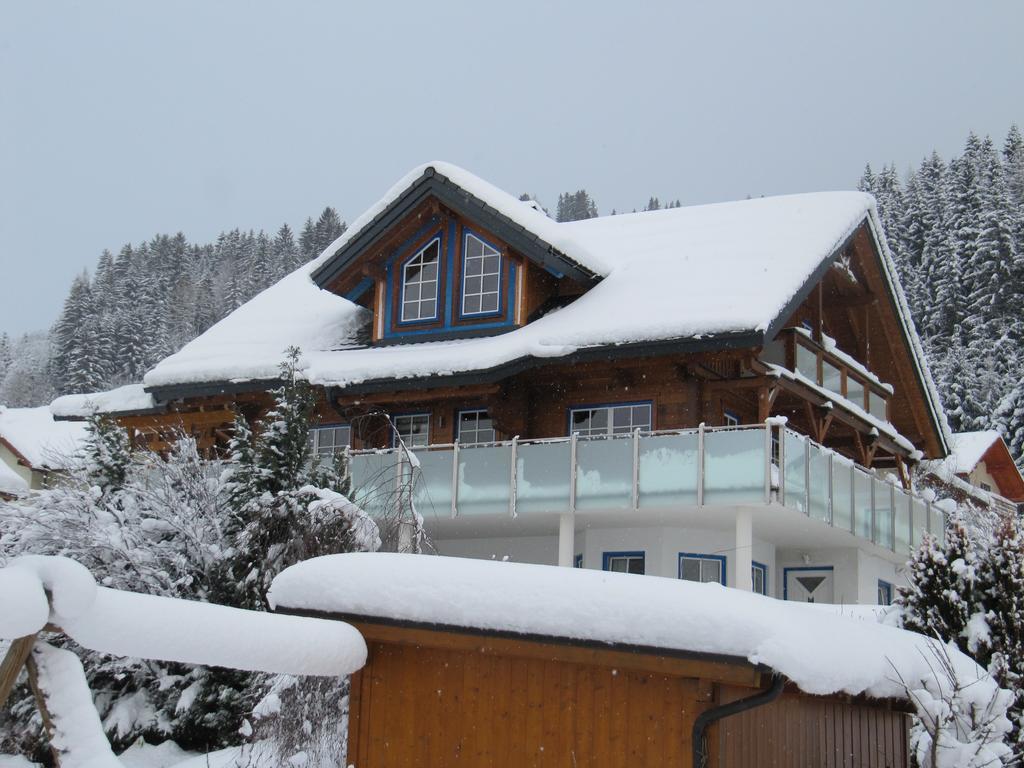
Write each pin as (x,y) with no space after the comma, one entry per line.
(329,439)
(420,283)
(481,277)
(625,562)
(696,566)
(759,577)
(884,593)
(610,419)
(412,428)
(577,561)
(475,427)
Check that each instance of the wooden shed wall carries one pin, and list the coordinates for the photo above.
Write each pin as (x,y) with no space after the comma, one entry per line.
(416,706)
(798,731)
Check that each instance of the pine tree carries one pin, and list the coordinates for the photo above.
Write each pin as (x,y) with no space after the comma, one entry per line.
(574,206)
(940,599)
(6,355)
(653,204)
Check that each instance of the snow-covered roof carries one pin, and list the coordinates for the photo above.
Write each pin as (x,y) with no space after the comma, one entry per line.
(822,652)
(10,481)
(36,437)
(684,273)
(127,399)
(968,448)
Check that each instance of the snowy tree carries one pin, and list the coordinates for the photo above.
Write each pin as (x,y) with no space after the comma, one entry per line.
(574,206)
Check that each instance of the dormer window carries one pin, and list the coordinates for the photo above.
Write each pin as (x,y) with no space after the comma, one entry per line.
(419,284)
(481,277)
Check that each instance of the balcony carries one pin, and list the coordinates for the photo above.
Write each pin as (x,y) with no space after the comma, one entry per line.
(667,474)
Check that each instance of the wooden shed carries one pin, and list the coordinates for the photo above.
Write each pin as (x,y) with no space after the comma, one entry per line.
(444,696)
(482,663)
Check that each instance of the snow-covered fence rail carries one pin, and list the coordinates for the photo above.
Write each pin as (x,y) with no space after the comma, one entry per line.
(668,469)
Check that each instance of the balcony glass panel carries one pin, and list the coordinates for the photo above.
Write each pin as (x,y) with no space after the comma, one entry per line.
(807,362)
(485,480)
(862,503)
(433,490)
(902,512)
(876,405)
(919,520)
(542,477)
(831,377)
(855,391)
(604,473)
(668,470)
(374,481)
(937,523)
(883,513)
(795,454)
(734,466)
(842,492)
(819,486)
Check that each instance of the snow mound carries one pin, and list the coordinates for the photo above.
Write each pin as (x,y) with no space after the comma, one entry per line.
(821,651)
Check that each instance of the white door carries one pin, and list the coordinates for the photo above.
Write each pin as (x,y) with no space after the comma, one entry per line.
(810,585)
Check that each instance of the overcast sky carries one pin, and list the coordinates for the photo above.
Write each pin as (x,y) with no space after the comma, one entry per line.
(119,120)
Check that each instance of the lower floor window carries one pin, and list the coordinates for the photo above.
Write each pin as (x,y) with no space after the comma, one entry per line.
(884,593)
(577,561)
(413,429)
(702,568)
(624,562)
(759,578)
(327,441)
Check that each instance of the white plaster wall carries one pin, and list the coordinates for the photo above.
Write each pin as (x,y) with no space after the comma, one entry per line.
(20,470)
(542,550)
(870,570)
(981,475)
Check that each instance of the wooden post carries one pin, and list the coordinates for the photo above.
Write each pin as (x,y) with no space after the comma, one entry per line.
(44,710)
(17,655)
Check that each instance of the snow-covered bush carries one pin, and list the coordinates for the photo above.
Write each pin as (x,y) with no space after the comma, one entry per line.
(167,525)
(969,592)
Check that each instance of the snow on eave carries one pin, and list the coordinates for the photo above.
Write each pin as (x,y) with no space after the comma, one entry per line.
(820,651)
(122,401)
(917,356)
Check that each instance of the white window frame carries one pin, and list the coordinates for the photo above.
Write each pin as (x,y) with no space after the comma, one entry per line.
(762,569)
(610,428)
(317,435)
(488,252)
(626,558)
(730,418)
(409,437)
(475,431)
(708,561)
(417,260)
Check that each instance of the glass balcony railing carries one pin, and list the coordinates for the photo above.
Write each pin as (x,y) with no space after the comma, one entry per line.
(721,466)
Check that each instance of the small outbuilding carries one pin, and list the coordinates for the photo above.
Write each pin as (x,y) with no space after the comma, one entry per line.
(483,663)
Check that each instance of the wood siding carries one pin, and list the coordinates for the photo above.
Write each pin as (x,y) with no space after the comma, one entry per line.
(799,731)
(440,698)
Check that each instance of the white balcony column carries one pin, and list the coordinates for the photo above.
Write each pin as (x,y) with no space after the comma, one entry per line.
(743,553)
(566,539)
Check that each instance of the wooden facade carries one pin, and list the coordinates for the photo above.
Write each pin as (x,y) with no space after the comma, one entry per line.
(445,697)
(850,301)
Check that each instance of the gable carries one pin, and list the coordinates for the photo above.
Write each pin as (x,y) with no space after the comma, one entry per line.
(439,274)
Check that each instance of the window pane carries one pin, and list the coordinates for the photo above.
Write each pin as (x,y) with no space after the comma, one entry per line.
(855,391)
(711,571)
(490,283)
(617,564)
(831,377)
(489,303)
(474,266)
(691,569)
(877,406)
(807,362)
(636,565)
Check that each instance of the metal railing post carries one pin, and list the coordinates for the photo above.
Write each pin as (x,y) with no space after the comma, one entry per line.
(636,470)
(572,472)
(512,479)
(781,464)
(700,465)
(455,478)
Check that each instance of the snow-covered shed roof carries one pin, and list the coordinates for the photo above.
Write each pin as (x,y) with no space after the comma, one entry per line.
(968,449)
(819,650)
(726,269)
(37,439)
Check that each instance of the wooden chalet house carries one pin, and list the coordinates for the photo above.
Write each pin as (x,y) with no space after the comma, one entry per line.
(730,392)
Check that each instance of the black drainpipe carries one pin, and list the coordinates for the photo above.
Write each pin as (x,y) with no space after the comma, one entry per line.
(709,716)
